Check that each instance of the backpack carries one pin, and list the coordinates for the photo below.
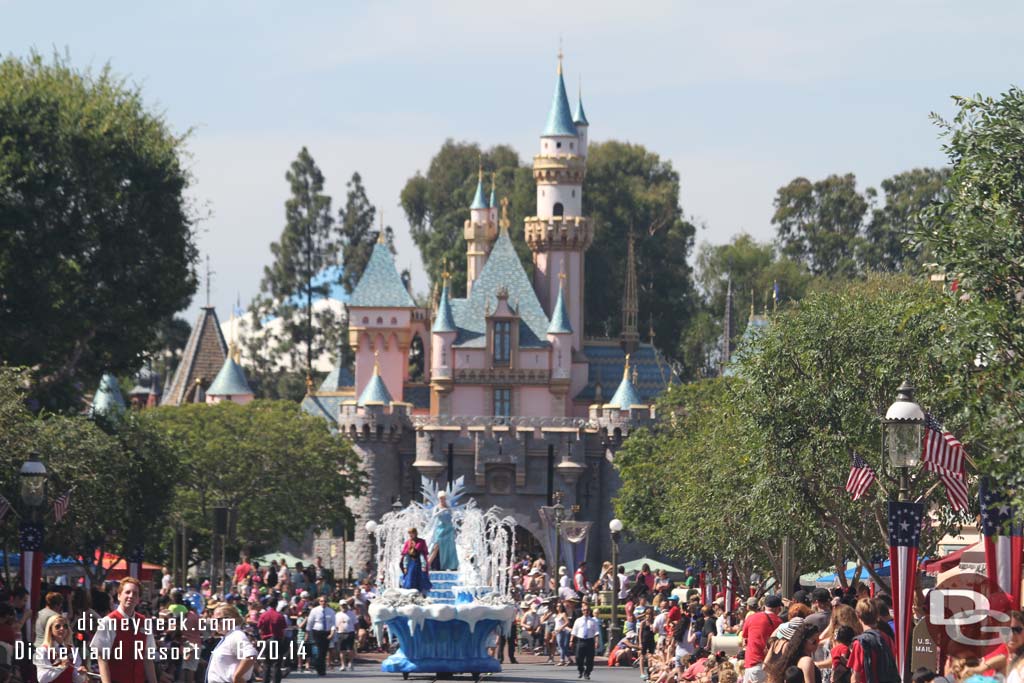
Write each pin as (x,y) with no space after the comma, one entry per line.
(879,663)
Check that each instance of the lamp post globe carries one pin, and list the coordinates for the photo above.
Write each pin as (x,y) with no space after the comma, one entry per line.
(371,527)
(904,422)
(615,526)
(33,476)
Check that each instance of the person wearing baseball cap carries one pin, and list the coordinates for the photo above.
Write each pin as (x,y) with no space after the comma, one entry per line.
(754,638)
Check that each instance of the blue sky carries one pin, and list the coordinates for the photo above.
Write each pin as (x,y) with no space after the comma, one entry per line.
(740,96)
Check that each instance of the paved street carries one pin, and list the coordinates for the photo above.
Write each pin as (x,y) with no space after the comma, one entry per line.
(370,671)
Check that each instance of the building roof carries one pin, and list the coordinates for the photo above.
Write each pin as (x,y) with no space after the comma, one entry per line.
(502,270)
(376,391)
(580,117)
(107,401)
(559,118)
(203,358)
(605,361)
(230,381)
(326,401)
(147,382)
(444,321)
(479,199)
(559,318)
(626,395)
(380,286)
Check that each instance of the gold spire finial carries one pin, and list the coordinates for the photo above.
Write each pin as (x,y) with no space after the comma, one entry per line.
(751,303)
(504,222)
(445,275)
(376,362)
(309,383)
(559,55)
(480,168)
(625,368)
(380,235)
(561,274)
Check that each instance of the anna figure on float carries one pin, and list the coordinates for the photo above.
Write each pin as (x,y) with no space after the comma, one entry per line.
(415,573)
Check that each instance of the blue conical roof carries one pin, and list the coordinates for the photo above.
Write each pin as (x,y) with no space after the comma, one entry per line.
(479,200)
(559,318)
(107,401)
(376,391)
(626,395)
(445,321)
(559,118)
(380,285)
(580,117)
(230,381)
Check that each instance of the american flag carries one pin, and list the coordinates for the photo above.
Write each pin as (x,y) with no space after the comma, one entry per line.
(1004,544)
(861,476)
(61,505)
(904,537)
(944,454)
(5,507)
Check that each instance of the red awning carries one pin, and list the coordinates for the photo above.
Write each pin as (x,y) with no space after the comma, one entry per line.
(944,564)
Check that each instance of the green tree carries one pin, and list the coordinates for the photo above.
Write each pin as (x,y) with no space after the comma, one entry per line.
(753,269)
(975,236)
(97,241)
(889,245)
(356,231)
(292,283)
(248,457)
(815,384)
(437,204)
(819,224)
(121,477)
(693,486)
(629,188)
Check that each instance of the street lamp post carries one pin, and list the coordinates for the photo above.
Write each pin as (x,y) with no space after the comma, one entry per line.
(615,526)
(559,511)
(904,422)
(33,477)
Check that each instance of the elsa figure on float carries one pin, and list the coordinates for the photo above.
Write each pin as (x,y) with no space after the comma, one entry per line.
(444,535)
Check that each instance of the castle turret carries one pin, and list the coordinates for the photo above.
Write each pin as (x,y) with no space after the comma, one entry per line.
(443,335)
(559,235)
(230,383)
(579,118)
(107,402)
(479,231)
(560,336)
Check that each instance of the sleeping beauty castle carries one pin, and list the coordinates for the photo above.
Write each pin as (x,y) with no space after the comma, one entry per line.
(508,393)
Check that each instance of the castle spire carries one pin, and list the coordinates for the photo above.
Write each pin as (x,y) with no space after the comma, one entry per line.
(559,117)
(630,339)
(580,117)
(480,199)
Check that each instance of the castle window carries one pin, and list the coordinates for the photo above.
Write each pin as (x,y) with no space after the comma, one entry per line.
(502,342)
(380,320)
(502,402)
(366,319)
(558,209)
(572,145)
(574,193)
(558,145)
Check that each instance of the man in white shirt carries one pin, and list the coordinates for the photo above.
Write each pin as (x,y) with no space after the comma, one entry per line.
(234,656)
(623,583)
(345,623)
(320,626)
(584,636)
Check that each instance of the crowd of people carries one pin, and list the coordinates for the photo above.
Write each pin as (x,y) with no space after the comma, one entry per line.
(279,619)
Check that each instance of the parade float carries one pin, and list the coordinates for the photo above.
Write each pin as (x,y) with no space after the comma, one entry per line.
(447,627)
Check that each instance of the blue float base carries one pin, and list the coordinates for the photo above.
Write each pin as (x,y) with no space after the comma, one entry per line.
(442,647)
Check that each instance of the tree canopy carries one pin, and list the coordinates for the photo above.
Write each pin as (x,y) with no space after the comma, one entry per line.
(975,237)
(774,443)
(97,240)
(260,458)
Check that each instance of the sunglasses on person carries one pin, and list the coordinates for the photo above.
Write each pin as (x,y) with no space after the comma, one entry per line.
(1017,629)
(60,626)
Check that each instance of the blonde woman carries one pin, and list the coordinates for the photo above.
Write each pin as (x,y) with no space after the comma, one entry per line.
(57,660)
